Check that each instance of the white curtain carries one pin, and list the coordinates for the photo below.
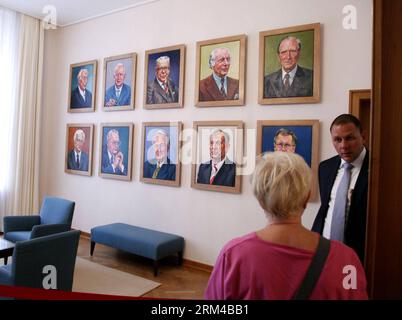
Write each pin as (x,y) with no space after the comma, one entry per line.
(20,191)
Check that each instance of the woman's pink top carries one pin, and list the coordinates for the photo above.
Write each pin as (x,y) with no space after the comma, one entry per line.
(250,268)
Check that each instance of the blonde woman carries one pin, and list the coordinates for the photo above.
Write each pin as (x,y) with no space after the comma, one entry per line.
(271,263)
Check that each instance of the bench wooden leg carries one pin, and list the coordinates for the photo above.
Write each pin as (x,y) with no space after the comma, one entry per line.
(180,257)
(92,247)
(156,265)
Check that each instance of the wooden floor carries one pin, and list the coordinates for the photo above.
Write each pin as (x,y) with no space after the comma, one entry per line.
(178,282)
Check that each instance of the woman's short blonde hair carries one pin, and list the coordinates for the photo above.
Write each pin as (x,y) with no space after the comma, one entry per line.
(281,183)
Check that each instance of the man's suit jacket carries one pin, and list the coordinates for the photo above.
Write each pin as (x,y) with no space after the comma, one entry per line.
(226,175)
(355,228)
(166,172)
(156,94)
(125,95)
(107,166)
(302,85)
(72,163)
(78,102)
(209,91)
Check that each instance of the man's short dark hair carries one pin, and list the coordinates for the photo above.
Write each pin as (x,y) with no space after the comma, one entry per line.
(345,119)
(286,132)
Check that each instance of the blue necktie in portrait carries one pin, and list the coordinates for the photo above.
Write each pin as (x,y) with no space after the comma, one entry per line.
(78,161)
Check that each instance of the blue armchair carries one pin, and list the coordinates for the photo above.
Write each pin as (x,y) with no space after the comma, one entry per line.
(56,216)
(31,256)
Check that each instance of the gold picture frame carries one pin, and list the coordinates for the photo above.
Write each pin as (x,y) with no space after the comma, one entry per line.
(79,143)
(300,46)
(164,87)
(154,145)
(230,70)
(125,98)
(208,133)
(82,74)
(302,134)
(120,137)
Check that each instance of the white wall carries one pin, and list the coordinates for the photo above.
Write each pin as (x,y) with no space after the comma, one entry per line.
(207,220)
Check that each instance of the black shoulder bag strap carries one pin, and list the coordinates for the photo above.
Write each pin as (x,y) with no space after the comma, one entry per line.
(314,270)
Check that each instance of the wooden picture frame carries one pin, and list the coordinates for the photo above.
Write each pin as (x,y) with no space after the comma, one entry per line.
(155,146)
(164,86)
(116,139)
(119,82)
(206,145)
(79,143)
(82,74)
(306,145)
(207,91)
(302,49)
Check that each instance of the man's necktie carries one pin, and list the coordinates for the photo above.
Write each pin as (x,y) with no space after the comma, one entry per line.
(112,159)
(118,93)
(165,87)
(341,201)
(223,87)
(214,172)
(78,161)
(156,172)
(286,83)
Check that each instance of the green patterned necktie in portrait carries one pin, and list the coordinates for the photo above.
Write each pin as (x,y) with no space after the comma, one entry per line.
(156,172)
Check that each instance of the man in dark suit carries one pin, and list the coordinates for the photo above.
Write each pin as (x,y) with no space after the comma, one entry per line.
(162,89)
(112,157)
(160,166)
(81,97)
(218,86)
(219,170)
(120,93)
(77,159)
(291,80)
(342,215)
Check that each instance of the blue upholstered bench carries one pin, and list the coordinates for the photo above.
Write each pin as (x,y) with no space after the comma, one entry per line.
(148,243)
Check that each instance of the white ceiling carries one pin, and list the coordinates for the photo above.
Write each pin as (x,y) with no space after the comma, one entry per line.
(71,11)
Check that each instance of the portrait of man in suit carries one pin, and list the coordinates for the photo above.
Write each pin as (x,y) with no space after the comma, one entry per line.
(158,165)
(218,86)
(113,160)
(77,158)
(291,80)
(81,96)
(162,89)
(119,94)
(78,151)
(219,170)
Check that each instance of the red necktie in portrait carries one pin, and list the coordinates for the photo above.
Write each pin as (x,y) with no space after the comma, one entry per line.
(215,171)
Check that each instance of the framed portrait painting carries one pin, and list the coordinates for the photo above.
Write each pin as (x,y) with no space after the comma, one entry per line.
(78,155)
(290,65)
(220,72)
(164,77)
(82,87)
(298,136)
(119,82)
(160,159)
(116,141)
(217,155)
